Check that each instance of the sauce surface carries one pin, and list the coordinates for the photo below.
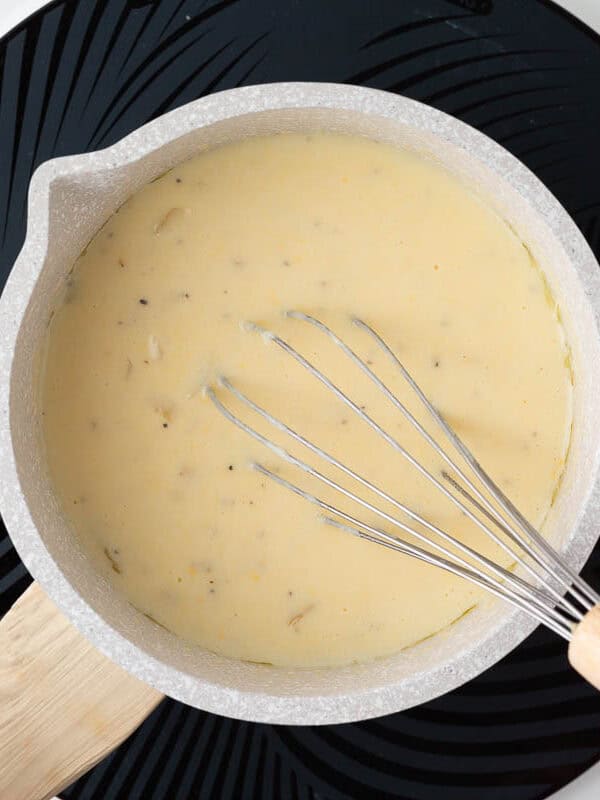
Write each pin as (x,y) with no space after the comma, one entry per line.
(156,482)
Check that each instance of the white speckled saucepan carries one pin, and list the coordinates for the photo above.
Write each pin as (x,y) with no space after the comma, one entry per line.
(70,199)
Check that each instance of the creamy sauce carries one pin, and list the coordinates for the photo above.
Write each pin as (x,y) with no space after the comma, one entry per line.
(156,482)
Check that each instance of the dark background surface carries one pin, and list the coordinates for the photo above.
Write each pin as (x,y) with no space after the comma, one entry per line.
(80,75)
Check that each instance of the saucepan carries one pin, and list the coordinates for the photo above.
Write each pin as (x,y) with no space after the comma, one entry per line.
(88,696)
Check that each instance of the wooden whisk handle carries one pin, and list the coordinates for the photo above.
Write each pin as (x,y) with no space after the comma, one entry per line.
(63,705)
(584,649)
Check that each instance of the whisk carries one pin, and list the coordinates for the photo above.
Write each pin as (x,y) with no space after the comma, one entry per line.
(552,592)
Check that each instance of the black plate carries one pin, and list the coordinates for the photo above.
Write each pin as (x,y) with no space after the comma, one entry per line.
(78,76)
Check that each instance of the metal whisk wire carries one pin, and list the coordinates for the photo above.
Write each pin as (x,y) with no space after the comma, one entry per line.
(552,618)
(547,600)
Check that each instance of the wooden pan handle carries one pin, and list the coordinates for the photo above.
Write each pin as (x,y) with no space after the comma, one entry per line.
(63,705)
(584,649)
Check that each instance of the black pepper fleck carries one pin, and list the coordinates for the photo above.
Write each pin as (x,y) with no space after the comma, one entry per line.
(115,566)
(165,424)
(230,467)
(143,301)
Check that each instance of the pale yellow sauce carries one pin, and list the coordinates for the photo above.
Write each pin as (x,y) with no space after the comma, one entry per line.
(157,483)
